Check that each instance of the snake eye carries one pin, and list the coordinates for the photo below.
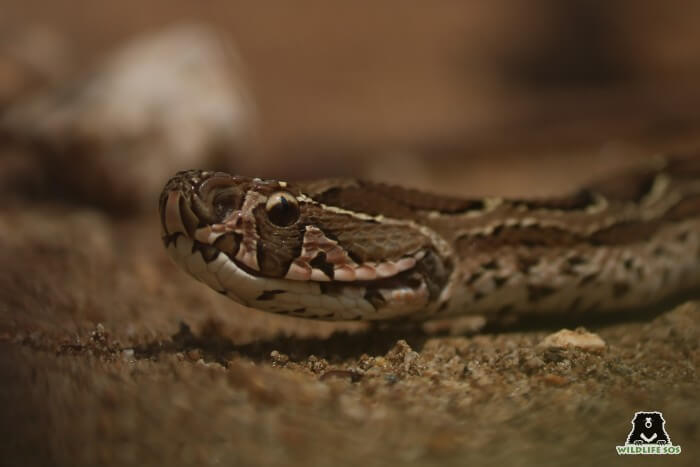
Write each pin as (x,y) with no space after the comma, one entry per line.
(282,209)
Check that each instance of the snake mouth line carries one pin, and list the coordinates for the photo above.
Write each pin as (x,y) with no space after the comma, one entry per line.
(405,279)
(381,299)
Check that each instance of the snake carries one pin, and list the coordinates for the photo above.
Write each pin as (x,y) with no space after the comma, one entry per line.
(352,249)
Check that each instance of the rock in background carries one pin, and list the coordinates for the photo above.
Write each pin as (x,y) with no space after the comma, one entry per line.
(165,102)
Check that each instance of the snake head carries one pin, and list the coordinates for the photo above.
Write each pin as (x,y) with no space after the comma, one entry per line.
(282,247)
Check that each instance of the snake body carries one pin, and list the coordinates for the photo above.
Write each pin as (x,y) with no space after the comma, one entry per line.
(344,249)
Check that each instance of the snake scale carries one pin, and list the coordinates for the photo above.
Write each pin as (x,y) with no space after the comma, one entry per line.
(346,249)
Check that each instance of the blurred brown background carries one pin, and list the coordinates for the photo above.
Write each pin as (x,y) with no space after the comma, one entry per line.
(455,78)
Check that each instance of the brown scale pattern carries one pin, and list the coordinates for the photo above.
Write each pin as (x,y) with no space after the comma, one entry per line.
(374,199)
(686,208)
(515,236)
(365,240)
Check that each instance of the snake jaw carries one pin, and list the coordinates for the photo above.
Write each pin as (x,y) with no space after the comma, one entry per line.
(304,299)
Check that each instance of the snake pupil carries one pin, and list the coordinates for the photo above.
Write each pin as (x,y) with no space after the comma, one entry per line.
(282,209)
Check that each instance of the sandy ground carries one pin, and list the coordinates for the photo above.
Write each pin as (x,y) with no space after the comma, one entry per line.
(109,355)
(112,356)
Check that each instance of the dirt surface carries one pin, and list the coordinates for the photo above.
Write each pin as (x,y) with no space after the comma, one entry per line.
(109,355)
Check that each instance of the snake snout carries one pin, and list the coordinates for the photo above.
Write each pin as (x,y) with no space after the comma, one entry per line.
(176,215)
(176,202)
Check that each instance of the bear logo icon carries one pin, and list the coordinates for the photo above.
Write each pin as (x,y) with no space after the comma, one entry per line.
(648,428)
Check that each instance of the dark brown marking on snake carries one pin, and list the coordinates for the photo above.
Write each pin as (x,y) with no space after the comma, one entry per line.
(498,281)
(229,243)
(659,251)
(490,265)
(685,208)
(320,262)
(473,278)
(628,264)
(575,202)
(403,203)
(208,252)
(365,240)
(506,309)
(269,294)
(525,263)
(478,296)
(299,310)
(574,261)
(682,237)
(620,289)
(413,282)
(373,296)
(168,239)
(353,256)
(327,233)
(569,267)
(588,278)
(443,306)
(518,236)
(538,292)
(431,270)
(162,202)
(625,233)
